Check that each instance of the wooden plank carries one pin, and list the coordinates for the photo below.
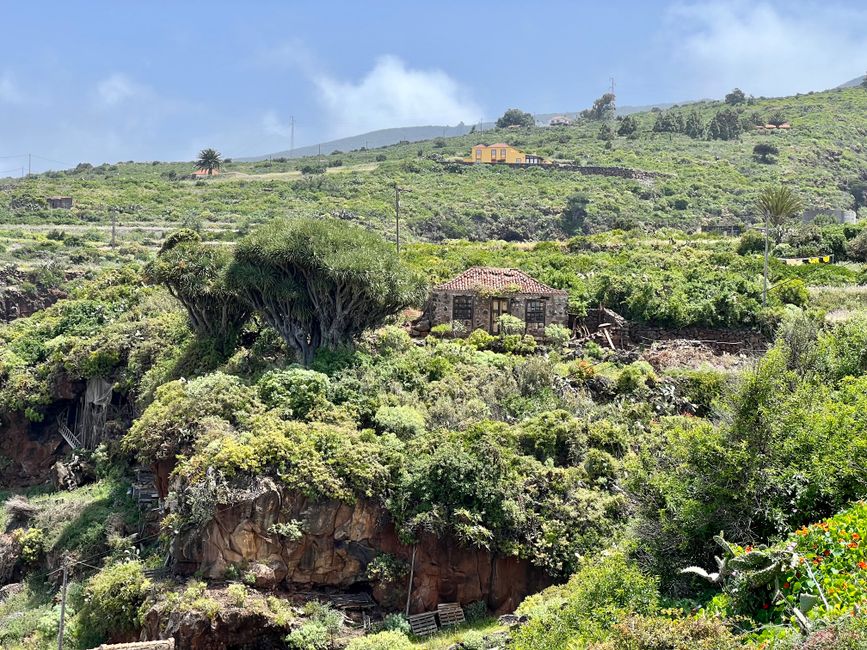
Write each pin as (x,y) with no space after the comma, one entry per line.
(423,624)
(450,614)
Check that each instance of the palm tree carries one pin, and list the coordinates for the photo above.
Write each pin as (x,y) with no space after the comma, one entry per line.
(209,160)
(778,205)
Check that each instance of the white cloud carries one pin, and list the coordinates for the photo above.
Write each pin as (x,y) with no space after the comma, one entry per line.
(767,50)
(10,93)
(115,89)
(393,95)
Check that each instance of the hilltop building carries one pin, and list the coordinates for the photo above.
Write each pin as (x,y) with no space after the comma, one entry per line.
(502,153)
(559,120)
(480,295)
(59,202)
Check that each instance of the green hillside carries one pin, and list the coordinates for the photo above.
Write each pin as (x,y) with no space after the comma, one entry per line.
(701,181)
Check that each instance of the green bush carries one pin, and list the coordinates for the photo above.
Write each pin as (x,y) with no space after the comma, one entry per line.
(662,633)
(112,602)
(403,421)
(480,339)
(602,593)
(312,635)
(396,623)
(295,392)
(791,292)
(752,241)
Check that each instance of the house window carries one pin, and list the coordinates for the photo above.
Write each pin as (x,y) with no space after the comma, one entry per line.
(503,154)
(493,154)
(535,312)
(478,153)
(462,308)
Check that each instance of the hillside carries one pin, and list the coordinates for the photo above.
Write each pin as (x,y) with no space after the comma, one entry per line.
(700,181)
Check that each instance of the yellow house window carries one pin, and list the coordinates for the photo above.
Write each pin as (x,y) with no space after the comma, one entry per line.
(478,153)
(493,154)
(502,153)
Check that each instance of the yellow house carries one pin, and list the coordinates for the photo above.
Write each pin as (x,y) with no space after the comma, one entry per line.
(502,153)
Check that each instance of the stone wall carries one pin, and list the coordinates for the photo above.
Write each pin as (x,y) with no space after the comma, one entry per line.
(338,543)
(441,302)
(720,340)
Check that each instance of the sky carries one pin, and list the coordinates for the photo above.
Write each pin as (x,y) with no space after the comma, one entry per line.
(92,81)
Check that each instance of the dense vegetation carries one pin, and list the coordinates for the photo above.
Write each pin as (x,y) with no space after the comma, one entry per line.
(285,357)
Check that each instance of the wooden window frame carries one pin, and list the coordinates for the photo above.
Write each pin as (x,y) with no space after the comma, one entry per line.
(466,309)
(538,308)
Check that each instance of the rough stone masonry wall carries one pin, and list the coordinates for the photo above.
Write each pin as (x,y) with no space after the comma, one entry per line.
(442,302)
(339,541)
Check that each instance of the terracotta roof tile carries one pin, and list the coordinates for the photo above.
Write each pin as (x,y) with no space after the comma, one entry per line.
(486,277)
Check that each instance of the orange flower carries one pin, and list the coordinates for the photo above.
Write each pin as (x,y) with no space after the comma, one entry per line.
(862,565)
(852,544)
(749,549)
(856,536)
(785,585)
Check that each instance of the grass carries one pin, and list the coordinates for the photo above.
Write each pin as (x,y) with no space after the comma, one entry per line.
(446,638)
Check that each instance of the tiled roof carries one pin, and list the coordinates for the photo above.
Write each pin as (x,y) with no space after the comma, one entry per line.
(486,277)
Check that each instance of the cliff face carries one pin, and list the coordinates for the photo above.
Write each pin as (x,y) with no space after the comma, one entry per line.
(339,540)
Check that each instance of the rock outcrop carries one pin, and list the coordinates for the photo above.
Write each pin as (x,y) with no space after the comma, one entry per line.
(339,540)
(196,631)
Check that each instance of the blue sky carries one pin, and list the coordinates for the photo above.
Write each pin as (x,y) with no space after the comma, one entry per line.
(109,81)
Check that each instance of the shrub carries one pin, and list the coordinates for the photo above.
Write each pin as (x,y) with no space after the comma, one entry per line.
(237,594)
(473,640)
(603,592)
(480,339)
(752,241)
(510,325)
(403,421)
(31,543)
(476,611)
(635,378)
(791,292)
(112,600)
(312,635)
(390,640)
(396,623)
(380,157)
(661,633)
(557,334)
(295,392)
(857,247)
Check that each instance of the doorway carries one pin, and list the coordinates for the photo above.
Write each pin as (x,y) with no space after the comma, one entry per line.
(499,306)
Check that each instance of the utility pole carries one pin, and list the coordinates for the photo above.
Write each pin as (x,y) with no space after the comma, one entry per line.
(291,135)
(397,190)
(765,275)
(611,79)
(63,603)
(411,576)
(113,227)
(29,156)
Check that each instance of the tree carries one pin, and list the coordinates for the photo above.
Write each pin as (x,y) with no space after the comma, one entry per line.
(693,126)
(668,122)
(736,97)
(864,81)
(575,212)
(725,125)
(195,275)
(515,117)
(321,282)
(777,118)
(602,109)
(777,205)
(628,126)
(606,133)
(209,160)
(764,152)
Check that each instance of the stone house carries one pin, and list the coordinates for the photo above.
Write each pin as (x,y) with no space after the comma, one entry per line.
(480,295)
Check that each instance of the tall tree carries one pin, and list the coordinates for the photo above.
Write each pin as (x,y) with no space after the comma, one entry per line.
(515,117)
(602,109)
(195,274)
(725,125)
(628,125)
(322,282)
(693,126)
(777,205)
(735,97)
(209,160)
